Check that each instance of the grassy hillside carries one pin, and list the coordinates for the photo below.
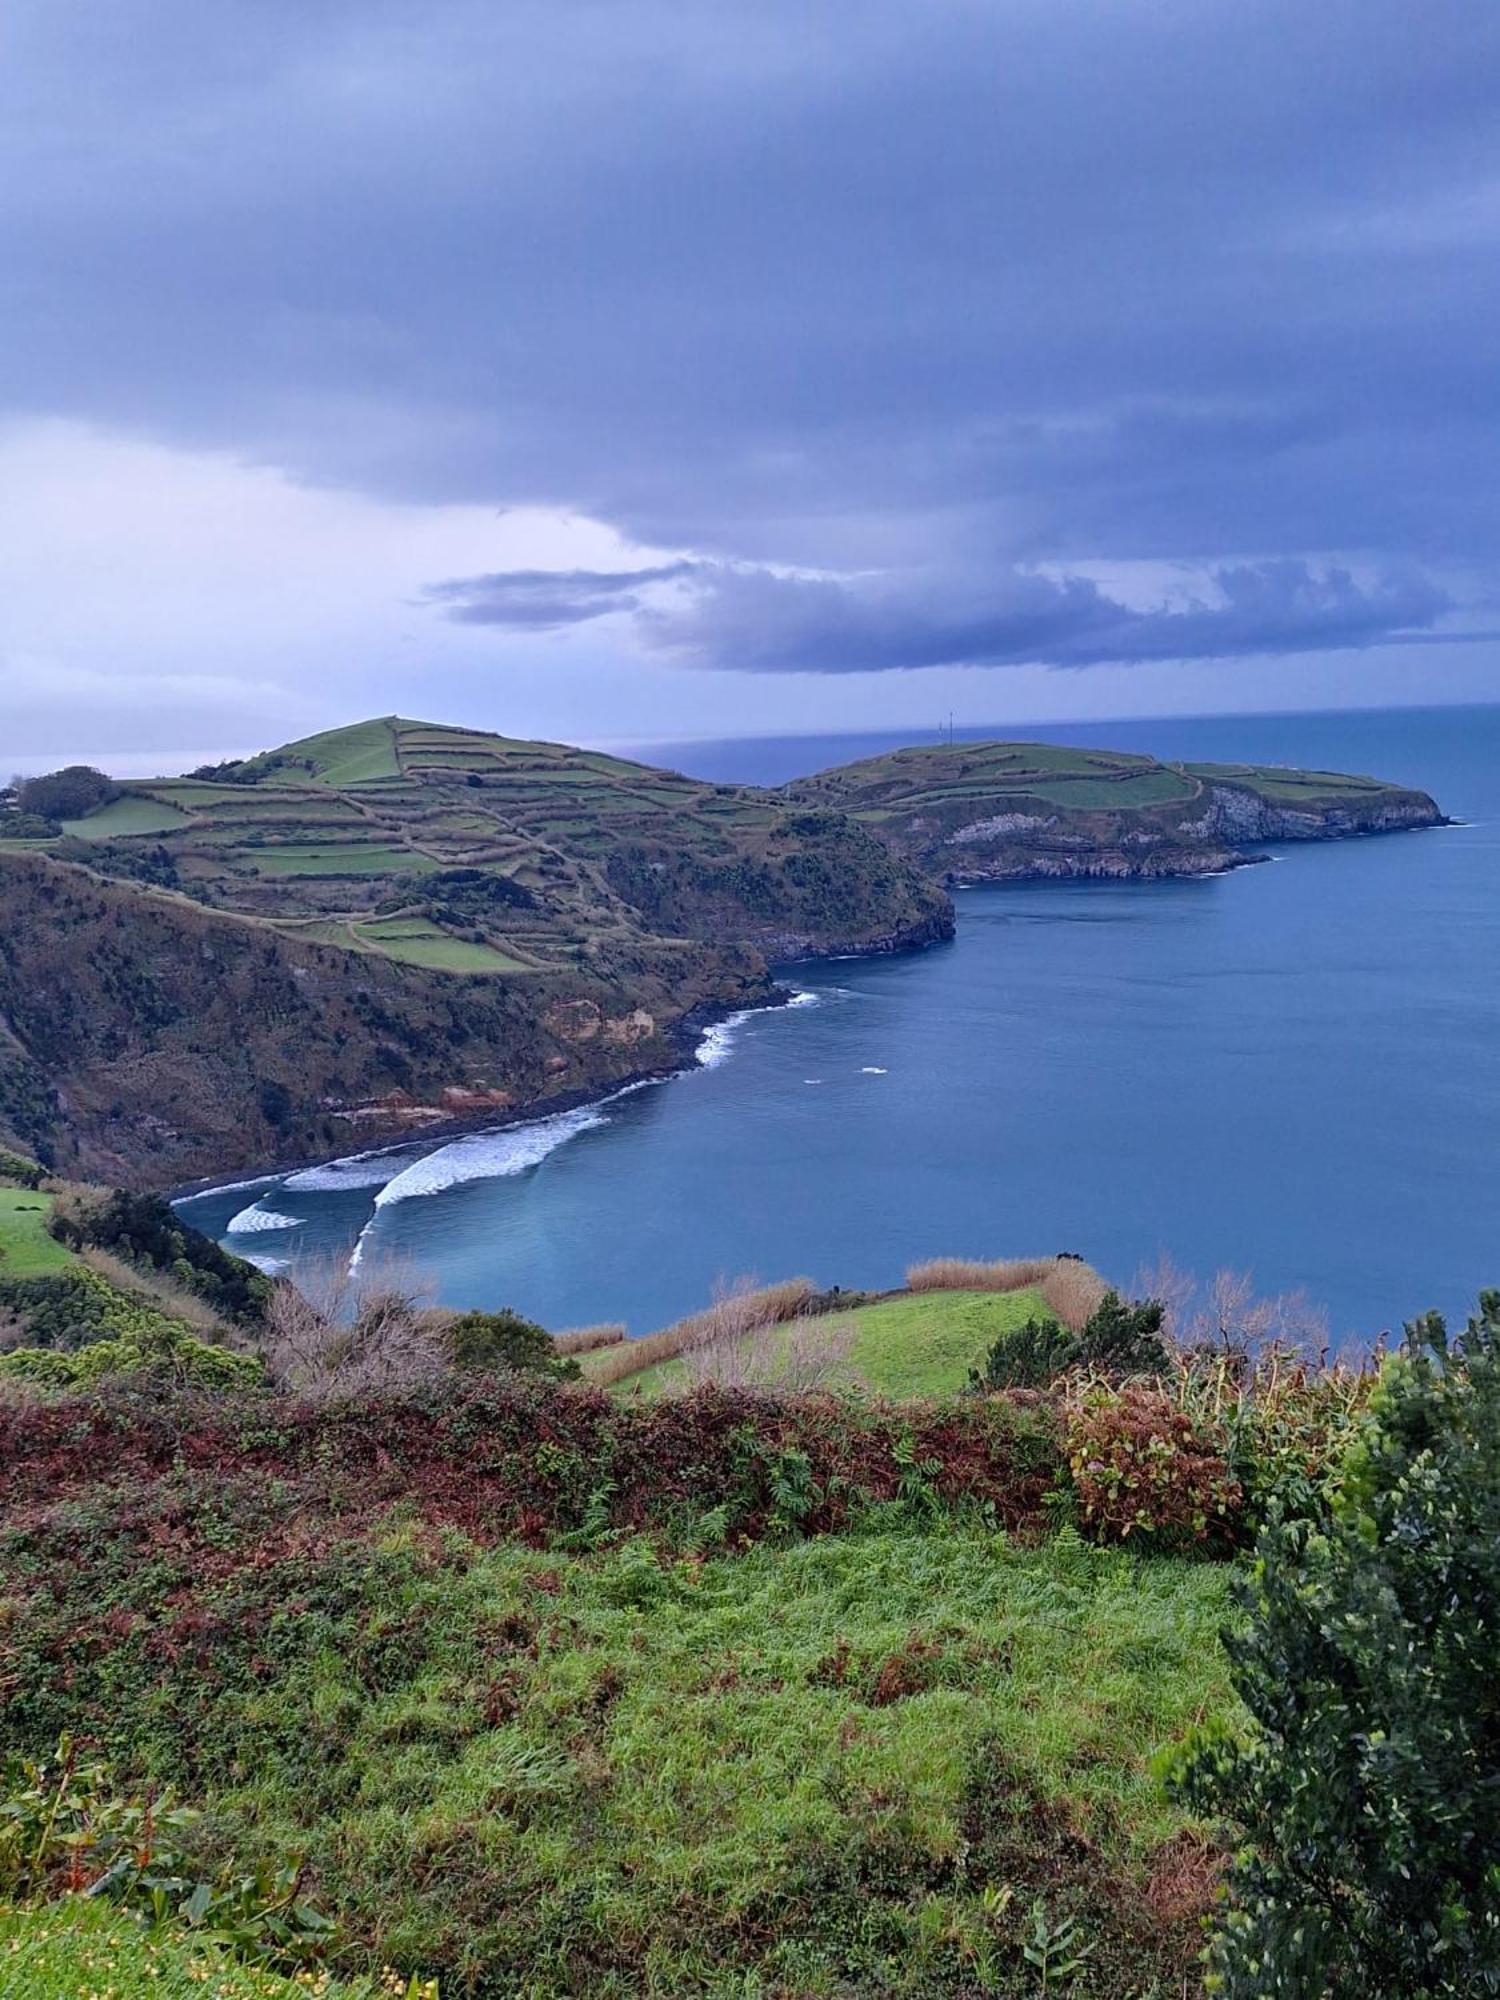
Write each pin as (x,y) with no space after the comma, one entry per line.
(997,811)
(389,927)
(457,850)
(917,1344)
(488,922)
(144,1039)
(26,1249)
(592,1763)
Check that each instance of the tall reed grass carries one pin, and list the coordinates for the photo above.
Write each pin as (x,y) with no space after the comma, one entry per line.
(1072,1289)
(736,1312)
(588,1339)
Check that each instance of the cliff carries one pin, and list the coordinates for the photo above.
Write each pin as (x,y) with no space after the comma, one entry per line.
(999,812)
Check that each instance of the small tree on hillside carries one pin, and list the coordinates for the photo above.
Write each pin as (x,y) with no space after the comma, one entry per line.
(1368,1783)
(1124,1336)
(67,794)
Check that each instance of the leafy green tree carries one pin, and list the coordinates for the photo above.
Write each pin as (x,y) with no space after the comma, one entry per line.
(1367,1784)
(67,794)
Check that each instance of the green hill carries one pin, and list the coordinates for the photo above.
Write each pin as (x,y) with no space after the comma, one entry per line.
(385,927)
(969,812)
(398,924)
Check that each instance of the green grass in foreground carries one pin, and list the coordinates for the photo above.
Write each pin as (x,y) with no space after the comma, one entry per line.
(799,1769)
(920,1344)
(77,1950)
(26,1250)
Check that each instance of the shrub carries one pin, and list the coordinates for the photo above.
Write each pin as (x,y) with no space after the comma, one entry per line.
(173,1353)
(507,1341)
(145,1230)
(1289,1423)
(1026,1357)
(1367,1784)
(66,1310)
(1117,1339)
(337,1334)
(1124,1338)
(1143,1467)
(20,1171)
(62,1831)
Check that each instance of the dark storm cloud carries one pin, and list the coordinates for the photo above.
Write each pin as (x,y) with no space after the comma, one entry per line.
(824,285)
(759,621)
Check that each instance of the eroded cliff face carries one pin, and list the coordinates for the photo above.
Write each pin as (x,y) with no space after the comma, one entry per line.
(1237,815)
(146,1041)
(1226,820)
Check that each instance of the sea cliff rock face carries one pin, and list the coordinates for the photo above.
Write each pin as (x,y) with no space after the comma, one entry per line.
(1238,815)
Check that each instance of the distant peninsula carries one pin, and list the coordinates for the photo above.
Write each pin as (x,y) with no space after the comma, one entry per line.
(403,927)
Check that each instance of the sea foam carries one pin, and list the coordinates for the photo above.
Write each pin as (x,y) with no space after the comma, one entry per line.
(487,1156)
(719,1039)
(251,1220)
(357,1171)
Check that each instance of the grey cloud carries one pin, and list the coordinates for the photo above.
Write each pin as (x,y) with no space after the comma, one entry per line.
(804,284)
(756,620)
(544,600)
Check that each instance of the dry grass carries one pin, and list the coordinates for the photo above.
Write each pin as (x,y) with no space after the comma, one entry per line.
(1071,1288)
(163,1291)
(1073,1291)
(737,1310)
(336,1334)
(796,1356)
(588,1339)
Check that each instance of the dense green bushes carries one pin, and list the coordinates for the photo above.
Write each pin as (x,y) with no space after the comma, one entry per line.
(144,1229)
(19,1171)
(1119,1337)
(1368,1783)
(79,1328)
(70,793)
(506,1341)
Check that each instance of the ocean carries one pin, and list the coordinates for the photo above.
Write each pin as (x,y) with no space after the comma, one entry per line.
(1291,1070)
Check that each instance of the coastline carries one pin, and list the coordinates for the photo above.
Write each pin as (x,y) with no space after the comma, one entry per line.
(686,1034)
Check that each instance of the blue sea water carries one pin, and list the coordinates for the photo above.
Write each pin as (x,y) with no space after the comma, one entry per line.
(1293,1069)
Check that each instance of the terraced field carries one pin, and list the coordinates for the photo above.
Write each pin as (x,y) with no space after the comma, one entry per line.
(1004,811)
(473,854)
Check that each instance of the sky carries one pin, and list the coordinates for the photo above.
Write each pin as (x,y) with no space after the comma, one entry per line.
(618,370)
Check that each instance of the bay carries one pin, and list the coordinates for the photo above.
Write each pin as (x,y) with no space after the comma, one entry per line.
(1293,1069)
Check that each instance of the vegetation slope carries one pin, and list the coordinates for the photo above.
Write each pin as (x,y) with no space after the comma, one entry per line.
(398,924)
(392,926)
(972,812)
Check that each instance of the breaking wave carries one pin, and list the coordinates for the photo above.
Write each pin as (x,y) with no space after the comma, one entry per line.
(719,1039)
(487,1156)
(357,1171)
(255,1218)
